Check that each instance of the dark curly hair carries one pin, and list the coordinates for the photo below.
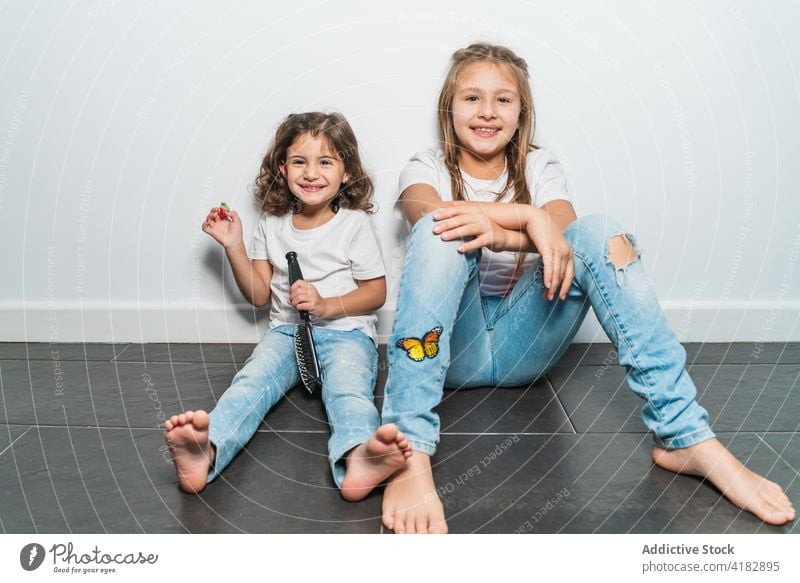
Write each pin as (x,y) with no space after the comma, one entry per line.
(271,189)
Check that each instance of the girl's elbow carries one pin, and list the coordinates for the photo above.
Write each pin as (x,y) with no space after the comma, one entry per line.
(379,299)
(382,293)
(260,302)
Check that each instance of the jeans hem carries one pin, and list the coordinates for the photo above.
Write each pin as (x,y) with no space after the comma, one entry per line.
(423,447)
(213,470)
(336,456)
(687,440)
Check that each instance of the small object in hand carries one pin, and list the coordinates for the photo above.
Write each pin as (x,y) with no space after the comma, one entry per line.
(223,211)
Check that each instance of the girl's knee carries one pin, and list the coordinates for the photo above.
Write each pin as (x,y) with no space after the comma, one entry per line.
(592,233)
(423,240)
(350,386)
(349,368)
(621,250)
(597,225)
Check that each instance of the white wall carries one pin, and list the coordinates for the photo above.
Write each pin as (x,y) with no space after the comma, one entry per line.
(121,124)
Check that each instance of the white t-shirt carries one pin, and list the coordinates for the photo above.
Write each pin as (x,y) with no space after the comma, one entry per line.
(331,256)
(546,182)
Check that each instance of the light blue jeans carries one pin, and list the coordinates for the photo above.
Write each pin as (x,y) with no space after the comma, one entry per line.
(514,340)
(349,363)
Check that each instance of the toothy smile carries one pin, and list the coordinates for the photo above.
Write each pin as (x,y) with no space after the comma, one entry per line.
(485,131)
(312,187)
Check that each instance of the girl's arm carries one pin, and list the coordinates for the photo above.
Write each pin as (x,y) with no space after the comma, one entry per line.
(561,212)
(253,278)
(517,216)
(368,297)
(488,223)
(496,226)
(518,242)
(470,218)
(418,200)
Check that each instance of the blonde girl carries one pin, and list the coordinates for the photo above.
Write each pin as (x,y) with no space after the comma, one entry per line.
(499,275)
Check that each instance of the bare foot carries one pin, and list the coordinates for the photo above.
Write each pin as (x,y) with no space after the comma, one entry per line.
(187,438)
(747,490)
(410,502)
(371,462)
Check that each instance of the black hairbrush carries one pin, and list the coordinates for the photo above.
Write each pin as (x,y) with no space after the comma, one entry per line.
(304,350)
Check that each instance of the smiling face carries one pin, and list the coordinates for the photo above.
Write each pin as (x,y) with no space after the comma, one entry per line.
(313,172)
(486,111)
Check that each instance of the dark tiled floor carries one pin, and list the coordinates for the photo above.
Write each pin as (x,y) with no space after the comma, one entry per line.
(81,449)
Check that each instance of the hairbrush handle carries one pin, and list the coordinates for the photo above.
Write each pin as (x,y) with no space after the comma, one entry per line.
(295,274)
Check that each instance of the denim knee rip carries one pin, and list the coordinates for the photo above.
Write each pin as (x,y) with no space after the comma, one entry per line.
(620,271)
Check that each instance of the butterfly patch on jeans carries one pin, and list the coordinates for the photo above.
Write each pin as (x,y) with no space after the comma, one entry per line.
(417,349)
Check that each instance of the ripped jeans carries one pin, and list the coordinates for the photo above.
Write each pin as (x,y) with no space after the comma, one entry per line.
(514,340)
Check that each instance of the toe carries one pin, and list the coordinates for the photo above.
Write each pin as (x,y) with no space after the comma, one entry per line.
(200,419)
(775,517)
(399,523)
(773,512)
(388,520)
(182,419)
(410,524)
(387,433)
(438,527)
(422,524)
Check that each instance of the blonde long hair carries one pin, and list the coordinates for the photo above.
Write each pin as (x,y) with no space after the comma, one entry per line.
(521,143)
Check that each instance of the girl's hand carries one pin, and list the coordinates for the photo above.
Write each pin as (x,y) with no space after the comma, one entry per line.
(465,219)
(225,232)
(559,267)
(305,296)
(511,216)
(489,221)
